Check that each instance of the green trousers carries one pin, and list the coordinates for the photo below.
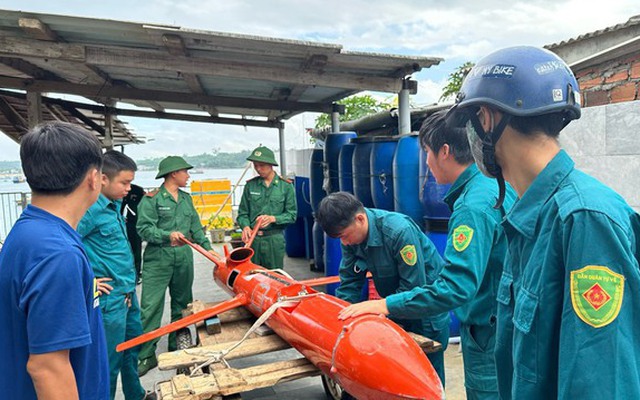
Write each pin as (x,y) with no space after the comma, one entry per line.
(164,267)
(122,323)
(269,251)
(478,346)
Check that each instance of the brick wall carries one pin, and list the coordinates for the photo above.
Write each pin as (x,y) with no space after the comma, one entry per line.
(614,81)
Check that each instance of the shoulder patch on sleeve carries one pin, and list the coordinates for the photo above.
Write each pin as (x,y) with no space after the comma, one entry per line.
(596,294)
(408,254)
(461,237)
(152,193)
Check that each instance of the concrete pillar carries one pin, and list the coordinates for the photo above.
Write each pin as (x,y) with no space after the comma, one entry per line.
(283,156)
(34,108)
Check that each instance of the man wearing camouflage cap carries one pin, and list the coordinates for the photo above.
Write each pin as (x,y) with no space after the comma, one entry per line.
(271,200)
(165,216)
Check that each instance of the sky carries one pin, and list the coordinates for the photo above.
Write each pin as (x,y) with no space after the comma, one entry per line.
(455,30)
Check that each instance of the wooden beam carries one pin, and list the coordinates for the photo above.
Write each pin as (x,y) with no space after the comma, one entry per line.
(13,116)
(160,61)
(69,105)
(37,29)
(28,68)
(118,92)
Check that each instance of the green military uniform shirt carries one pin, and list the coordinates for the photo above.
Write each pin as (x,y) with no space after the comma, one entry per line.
(400,257)
(278,200)
(159,215)
(475,253)
(568,299)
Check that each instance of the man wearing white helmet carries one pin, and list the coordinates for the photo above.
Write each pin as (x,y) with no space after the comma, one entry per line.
(568,295)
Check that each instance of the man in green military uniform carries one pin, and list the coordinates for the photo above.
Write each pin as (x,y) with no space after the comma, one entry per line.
(164,217)
(568,320)
(475,254)
(396,252)
(271,201)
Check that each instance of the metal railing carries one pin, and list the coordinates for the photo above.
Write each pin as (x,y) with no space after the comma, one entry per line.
(11,206)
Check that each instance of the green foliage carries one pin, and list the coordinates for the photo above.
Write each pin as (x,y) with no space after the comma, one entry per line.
(214,160)
(454,82)
(355,107)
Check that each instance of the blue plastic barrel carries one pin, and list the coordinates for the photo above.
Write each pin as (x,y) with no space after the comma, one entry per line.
(432,193)
(332,145)
(303,196)
(362,170)
(318,248)
(454,325)
(316,191)
(382,172)
(294,239)
(345,167)
(332,258)
(438,238)
(406,181)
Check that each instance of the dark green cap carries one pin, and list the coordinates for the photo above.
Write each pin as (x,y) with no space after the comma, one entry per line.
(172,164)
(264,155)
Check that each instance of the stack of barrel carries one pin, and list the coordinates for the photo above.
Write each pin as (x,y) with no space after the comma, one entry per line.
(385,172)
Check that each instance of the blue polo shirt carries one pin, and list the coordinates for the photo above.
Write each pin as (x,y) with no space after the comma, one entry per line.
(104,234)
(568,299)
(48,303)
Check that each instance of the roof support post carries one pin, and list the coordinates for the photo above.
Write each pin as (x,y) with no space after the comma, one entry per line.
(107,143)
(335,118)
(34,108)
(404,114)
(283,157)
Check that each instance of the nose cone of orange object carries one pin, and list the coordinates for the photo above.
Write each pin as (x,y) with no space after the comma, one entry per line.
(376,359)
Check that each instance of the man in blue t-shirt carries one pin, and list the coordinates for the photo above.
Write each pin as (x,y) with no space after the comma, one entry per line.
(51,336)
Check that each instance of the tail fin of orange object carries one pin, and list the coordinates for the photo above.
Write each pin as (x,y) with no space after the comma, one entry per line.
(237,301)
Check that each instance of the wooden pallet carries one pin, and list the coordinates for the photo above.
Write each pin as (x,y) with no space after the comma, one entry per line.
(224,382)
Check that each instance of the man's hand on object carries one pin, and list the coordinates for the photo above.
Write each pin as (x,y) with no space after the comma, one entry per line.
(366,307)
(266,220)
(246,234)
(175,237)
(103,288)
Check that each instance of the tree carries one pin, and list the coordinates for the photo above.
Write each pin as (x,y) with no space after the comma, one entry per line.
(454,82)
(354,107)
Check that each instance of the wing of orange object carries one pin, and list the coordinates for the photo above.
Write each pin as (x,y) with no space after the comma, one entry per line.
(325,280)
(237,301)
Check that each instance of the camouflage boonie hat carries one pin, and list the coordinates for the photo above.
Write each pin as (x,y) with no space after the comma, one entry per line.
(264,155)
(172,164)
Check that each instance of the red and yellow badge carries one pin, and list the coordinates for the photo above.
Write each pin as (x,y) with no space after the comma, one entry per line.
(596,294)
(408,254)
(461,237)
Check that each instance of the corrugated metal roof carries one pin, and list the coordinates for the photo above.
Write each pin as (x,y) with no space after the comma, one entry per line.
(14,117)
(633,21)
(170,67)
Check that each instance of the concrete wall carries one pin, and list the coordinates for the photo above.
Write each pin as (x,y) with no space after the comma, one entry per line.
(605,143)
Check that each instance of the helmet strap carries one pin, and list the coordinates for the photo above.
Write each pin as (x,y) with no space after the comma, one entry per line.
(489,140)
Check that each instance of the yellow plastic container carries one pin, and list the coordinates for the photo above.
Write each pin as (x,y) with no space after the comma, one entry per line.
(208,196)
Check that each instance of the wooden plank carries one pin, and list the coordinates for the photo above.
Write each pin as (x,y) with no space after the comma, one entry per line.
(237,381)
(427,345)
(203,387)
(181,385)
(196,355)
